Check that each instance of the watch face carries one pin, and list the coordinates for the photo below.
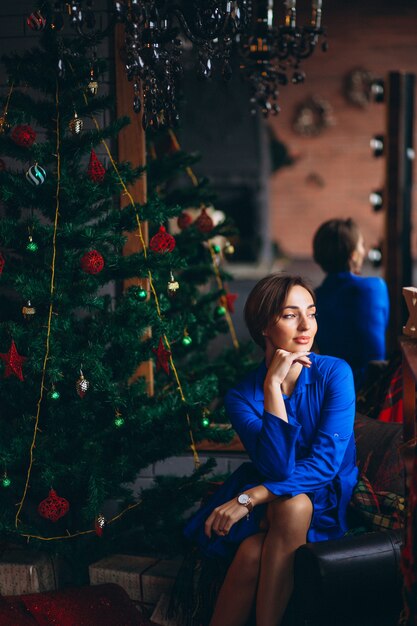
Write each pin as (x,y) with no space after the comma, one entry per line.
(243,498)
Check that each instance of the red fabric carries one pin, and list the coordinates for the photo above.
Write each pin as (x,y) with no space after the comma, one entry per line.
(14,613)
(409,551)
(392,409)
(99,605)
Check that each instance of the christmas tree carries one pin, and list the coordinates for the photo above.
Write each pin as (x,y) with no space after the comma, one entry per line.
(77,423)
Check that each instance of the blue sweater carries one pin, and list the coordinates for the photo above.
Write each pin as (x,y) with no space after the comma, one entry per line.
(313,453)
(352,315)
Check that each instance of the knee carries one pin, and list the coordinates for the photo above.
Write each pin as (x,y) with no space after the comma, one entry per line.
(248,556)
(290,511)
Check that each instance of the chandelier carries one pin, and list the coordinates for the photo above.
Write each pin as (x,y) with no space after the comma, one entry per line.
(269,53)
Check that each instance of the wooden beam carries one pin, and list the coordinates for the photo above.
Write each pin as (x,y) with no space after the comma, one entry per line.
(397,197)
(132,148)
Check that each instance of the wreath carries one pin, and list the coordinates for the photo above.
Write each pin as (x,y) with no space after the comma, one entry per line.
(312,116)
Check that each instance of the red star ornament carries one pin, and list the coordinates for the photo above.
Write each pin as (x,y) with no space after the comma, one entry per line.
(230,301)
(162,357)
(13,362)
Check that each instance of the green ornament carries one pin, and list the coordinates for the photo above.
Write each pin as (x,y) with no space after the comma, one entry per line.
(205,422)
(55,395)
(220,311)
(186,340)
(5,481)
(32,246)
(142,294)
(216,248)
(118,421)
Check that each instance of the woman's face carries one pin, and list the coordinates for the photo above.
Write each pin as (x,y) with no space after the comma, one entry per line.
(358,256)
(294,330)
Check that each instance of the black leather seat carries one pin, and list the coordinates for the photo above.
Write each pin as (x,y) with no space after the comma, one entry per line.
(353,581)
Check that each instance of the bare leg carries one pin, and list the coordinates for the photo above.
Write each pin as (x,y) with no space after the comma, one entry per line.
(237,594)
(289,520)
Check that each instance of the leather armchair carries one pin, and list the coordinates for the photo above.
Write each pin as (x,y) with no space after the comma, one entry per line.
(356,580)
(353,581)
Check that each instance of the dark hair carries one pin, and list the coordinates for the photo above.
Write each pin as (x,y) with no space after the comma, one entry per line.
(333,244)
(266,301)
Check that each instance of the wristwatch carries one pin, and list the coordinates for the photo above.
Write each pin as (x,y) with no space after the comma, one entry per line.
(245,500)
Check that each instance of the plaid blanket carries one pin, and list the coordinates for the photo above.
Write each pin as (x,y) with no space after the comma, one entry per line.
(380,510)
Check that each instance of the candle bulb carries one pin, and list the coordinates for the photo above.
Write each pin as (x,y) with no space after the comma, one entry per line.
(290,18)
(316,15)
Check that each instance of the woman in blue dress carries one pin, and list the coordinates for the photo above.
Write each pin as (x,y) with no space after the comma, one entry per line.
(294,414)
(354,310)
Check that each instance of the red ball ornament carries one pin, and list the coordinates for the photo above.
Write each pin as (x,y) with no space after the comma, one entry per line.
(204,223)
(36,21)
(95,170)
(162,241)
(2,263)
(23,135)
(184,220)
(229,301)
(53,507)
(92,262)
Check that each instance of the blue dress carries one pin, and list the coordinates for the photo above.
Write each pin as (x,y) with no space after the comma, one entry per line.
(313,453)
(353,313)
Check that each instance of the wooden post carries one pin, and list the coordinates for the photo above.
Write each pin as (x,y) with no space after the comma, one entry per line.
(132,147)
(398,186)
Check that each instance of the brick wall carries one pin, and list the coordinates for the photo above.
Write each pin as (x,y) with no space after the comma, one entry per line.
(380,36)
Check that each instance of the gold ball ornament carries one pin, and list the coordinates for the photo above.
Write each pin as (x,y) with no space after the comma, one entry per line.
(28,311)
(76,125)
(4,126)
(229,248)
(172,286)
(92,87)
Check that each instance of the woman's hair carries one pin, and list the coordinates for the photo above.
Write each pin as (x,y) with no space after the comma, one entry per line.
(334,243)
(266,301)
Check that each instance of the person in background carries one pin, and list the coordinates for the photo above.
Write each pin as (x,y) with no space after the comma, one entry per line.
(294,415)
(353,310)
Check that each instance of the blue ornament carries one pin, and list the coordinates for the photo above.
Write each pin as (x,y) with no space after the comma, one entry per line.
(36,175)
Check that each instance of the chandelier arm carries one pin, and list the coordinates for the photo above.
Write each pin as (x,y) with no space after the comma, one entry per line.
(196,38)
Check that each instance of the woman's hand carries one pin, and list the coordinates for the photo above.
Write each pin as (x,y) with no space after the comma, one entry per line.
(223,517)
(281,362)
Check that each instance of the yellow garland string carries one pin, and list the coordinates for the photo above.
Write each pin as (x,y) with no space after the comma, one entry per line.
(219,280)
(48,333)
(177,146)
(152,287)
(221,286)
(83,532)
